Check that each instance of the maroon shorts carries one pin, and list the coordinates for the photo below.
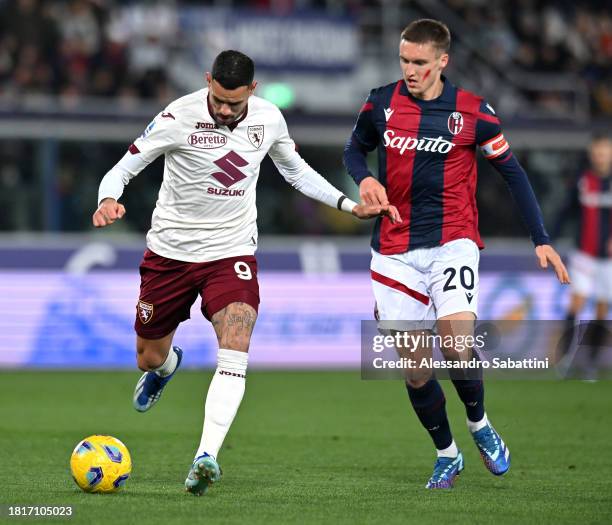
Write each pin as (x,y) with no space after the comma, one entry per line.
(168,289)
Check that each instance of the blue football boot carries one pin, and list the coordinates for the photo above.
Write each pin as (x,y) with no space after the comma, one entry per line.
(493,450)
(150,386)
(445,472)
(203,473)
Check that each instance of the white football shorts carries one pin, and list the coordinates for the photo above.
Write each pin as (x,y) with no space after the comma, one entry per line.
(591,276)
(425,284)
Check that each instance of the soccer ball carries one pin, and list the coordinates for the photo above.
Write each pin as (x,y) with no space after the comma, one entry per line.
(100,464)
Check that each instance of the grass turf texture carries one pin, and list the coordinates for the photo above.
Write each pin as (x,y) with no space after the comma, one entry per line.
(322,447)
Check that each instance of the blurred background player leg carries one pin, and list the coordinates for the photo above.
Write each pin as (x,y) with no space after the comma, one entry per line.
(596,339)
(579,349)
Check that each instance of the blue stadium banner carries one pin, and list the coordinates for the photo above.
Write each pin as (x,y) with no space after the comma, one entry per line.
(306,41)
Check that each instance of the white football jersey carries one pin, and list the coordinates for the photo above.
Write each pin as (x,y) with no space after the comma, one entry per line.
(206,205)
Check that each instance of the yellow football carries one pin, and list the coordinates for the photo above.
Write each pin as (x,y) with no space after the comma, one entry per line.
(100,464)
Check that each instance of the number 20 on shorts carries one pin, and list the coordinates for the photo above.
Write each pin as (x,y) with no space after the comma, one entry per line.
(466,278)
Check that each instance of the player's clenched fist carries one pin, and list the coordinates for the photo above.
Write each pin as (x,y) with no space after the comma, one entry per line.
(373,192)
(107,213)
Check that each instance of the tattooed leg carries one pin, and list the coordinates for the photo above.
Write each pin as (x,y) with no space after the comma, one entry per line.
(234,326)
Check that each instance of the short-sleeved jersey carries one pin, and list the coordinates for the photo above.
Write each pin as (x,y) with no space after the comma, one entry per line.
(206,205)
(595,201)
(427,162)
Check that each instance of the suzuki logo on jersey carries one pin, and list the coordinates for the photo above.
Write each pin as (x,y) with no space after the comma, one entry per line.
(206,140)
(455,123)
(437,145)
(225,191)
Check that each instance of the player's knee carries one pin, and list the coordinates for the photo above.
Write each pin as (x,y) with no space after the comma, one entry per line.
(417,381)
(147,362)
(147,359)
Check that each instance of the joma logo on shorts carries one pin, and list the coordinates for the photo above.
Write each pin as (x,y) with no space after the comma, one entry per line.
(437,145)
(206,140)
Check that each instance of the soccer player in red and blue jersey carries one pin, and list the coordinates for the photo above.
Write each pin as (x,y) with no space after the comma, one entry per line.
(591,262)
(425,269)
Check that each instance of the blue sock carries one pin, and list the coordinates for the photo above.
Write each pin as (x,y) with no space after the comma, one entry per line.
(429,404)
(471,392)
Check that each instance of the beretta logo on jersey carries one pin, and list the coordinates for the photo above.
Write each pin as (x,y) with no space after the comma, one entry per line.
(206,140)
(256,134)
(455,123)
(437,145)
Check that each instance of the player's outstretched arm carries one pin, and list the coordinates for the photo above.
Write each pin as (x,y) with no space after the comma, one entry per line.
(107,213)
(303,178)
(547,254)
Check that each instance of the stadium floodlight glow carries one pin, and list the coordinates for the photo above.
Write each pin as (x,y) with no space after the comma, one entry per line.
(280,94)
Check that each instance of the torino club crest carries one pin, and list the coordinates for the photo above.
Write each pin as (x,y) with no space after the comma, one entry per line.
(256,134)
(455,122)
(145,312)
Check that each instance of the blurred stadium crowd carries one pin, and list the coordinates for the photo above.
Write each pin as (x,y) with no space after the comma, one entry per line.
(118,49)
(122,52)
(541,36)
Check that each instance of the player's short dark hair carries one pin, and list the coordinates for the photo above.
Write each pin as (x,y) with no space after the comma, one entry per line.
(425,31)
(233,69)
(600,136)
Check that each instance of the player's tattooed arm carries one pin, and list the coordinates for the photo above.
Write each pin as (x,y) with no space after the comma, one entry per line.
(234,325)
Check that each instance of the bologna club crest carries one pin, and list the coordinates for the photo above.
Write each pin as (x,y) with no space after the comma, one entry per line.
(455,122)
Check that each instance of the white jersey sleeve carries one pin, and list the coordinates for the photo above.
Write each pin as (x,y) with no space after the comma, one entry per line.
(296,170)
(158,138)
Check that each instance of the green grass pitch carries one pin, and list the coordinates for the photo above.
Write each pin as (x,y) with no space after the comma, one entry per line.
(308,447)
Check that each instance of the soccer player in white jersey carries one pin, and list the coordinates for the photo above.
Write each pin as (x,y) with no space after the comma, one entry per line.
(203,235)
